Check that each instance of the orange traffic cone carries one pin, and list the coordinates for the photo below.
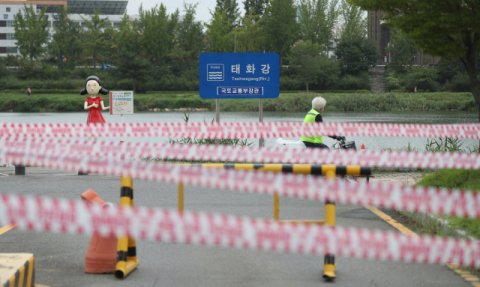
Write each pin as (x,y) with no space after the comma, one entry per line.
(101,256)
(92,197)
(363,146)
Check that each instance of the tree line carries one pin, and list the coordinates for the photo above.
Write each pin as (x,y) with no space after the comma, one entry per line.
(301,33)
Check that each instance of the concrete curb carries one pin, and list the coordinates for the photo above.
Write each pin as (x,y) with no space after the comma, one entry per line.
(381,169)
(439,223)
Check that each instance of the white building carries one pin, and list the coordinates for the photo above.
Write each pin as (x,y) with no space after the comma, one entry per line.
(113,10)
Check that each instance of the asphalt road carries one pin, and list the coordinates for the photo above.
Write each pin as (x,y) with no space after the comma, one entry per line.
(60,258)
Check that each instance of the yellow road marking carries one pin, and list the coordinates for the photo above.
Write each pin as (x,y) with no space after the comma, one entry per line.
(391,221)
(467,276)
(6,228)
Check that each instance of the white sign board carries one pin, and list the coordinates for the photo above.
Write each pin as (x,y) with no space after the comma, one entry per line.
(121,102)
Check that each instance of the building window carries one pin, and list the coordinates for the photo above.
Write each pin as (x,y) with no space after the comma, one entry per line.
(116,25)
(10,23)
(49,37)
(8,9)
(414,58)
(10,36)
(11,50)
(55,23)
(84,24)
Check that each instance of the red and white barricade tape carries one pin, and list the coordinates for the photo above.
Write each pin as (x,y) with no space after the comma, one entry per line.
(240,130)
(437,201)
(74,217)
(243,154)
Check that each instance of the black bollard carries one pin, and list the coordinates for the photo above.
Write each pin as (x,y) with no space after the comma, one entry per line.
(19,170)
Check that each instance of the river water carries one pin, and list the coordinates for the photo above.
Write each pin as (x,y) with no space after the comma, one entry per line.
(375,143)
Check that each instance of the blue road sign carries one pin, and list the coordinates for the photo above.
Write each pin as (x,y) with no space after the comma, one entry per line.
(239,75)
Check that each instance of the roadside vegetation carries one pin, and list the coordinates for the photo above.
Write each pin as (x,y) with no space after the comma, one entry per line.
(446,178)
(287,102)
(458,179)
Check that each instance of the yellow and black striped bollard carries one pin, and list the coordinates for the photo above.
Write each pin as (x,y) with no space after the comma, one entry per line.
(126,247)
(330,172)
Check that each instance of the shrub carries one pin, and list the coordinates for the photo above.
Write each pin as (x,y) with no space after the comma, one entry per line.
(28,69)
(393,83)
(3,71)
(289,83)
(422,78)
(350,82)
(11,83)
(48,72)
(12,60)
(459,83)
(125,84)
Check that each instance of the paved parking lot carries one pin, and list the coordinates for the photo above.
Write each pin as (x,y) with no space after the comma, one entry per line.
(60,257)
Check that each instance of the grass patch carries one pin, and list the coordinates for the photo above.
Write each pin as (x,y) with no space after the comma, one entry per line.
(459,179)
(453,178)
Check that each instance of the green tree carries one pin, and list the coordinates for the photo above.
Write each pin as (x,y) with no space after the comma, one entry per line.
(66,41)
(310,65)
(109,50)
(172,27)
(251,36)
(230,7)
(448,28)
(356,53)
(190,36)
(401,49)
(316,19)
(94,37)
(354,23)
(131,65)
(129,38)
(134,67)
(447,70)
(219,36)
(255,7)
(31,32)
(281,26)
(156,27)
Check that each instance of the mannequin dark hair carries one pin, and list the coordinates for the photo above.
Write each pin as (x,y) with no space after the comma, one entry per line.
(95,78)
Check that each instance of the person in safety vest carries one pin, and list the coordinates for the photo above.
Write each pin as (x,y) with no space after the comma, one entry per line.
(314,116)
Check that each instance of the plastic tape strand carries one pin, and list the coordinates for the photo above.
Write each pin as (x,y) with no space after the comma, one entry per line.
(240,130)
(431,200)
(74,217)
(242,154)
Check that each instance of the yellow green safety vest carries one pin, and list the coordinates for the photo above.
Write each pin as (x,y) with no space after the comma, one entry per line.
(310,118)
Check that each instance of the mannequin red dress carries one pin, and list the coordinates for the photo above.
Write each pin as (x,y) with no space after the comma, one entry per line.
(94,113)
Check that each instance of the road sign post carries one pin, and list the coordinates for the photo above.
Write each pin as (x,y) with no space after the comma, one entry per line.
(217,116)
(260,119)
(239,76)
